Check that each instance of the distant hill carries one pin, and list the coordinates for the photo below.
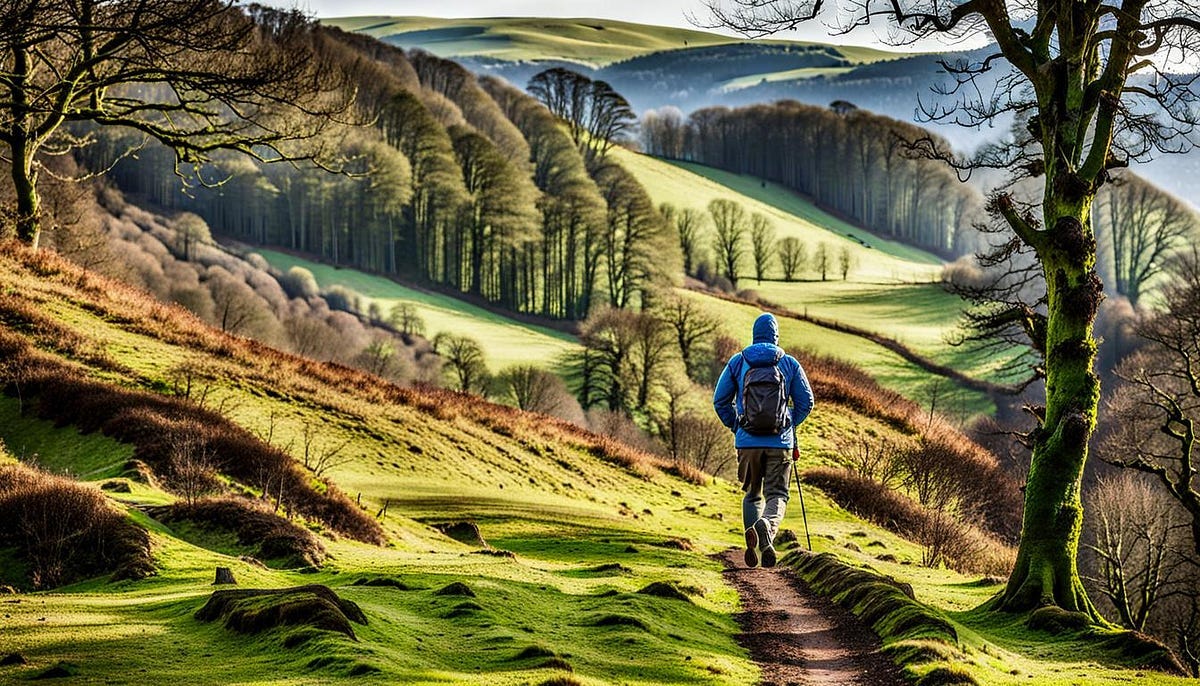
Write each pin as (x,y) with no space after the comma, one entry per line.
(657,66)
(593,42)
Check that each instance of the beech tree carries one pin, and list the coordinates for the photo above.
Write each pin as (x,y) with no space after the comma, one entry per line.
(1138,228)
(762,243)
(597,115)
(793,257)
(729,224)
(197,75)
(1087,75)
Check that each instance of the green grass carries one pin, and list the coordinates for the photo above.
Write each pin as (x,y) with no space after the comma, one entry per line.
(594,42)
(786,75)
(560,511)
(505,341)
(924,317)
(691,185)
(62,451)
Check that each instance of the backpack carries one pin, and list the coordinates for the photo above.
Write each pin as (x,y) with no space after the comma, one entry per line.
(764,401)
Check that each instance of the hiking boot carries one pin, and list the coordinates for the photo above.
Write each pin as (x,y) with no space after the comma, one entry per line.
(758,545)
(752,547)
(766,549)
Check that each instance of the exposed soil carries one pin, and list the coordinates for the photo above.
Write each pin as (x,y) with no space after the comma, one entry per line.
(798,637)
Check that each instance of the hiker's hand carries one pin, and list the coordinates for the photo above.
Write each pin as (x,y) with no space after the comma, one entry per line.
(795,453)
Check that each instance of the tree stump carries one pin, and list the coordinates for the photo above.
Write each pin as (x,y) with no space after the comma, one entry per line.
(224,576)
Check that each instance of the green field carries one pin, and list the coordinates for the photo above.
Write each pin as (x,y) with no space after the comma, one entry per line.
(888,368)
(787,75)
(594,42)
(505,341)
(691,185)
(924,317)
(564,514)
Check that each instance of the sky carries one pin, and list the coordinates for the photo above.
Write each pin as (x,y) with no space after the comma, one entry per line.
(657,12)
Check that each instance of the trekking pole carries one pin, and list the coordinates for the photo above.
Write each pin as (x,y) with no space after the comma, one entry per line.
(803,511)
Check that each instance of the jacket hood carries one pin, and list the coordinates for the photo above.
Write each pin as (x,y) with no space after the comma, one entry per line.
(762,354)
(766,329)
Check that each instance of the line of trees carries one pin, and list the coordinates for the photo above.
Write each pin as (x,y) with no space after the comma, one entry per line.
(738,240)
(849,160)
(464,183)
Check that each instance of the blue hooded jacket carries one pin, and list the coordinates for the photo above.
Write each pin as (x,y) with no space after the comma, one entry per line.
(727,398)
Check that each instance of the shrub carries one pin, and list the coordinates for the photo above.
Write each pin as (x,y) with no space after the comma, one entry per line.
(299,282)
(65,531)
(944,539)
(273,537)
(344,299)
(155,425)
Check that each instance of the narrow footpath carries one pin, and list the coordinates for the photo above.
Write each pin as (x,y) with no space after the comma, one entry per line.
(799,638)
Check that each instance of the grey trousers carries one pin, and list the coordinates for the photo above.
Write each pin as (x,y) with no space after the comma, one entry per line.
(765,474)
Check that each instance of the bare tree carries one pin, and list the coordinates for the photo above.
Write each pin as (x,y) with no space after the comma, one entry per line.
(871,456)
(729,222)
(793,257)
(237,307)
(762,241)
(1156,409)
(1086,80)
(692,325)
(822,260)
(382,358)
(465,357)
(535,390)
(192,230)
(609,339)
(845,261)
(322,456)
(654,355)
(1138,228)
(597,115)
(689,225)
(404,316)
(191,468)
(197,75)
(1133,541)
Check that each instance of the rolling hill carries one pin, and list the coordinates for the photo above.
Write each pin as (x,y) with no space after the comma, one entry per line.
(593,42)
(658,66)
(570,530)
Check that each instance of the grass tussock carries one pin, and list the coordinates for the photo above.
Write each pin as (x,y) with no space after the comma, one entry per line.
(158,426)
(944,538)
(64,531)
(256,526)
(253,611)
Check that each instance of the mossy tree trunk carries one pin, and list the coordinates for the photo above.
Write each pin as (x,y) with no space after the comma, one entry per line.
(1046,571)
(24,176)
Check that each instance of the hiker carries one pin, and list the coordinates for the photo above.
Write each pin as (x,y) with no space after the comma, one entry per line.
(751,399)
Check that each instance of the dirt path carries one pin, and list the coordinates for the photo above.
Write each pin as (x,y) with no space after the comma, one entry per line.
(798,637)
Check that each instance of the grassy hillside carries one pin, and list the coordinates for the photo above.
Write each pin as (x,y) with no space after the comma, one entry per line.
(691,185)
(538,489)
(588,41)
(507,341)
(879,296)
(504,340)
(924,317)
(585,524)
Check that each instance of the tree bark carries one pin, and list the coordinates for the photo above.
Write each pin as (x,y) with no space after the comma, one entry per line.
(24,176)
(1046,571)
